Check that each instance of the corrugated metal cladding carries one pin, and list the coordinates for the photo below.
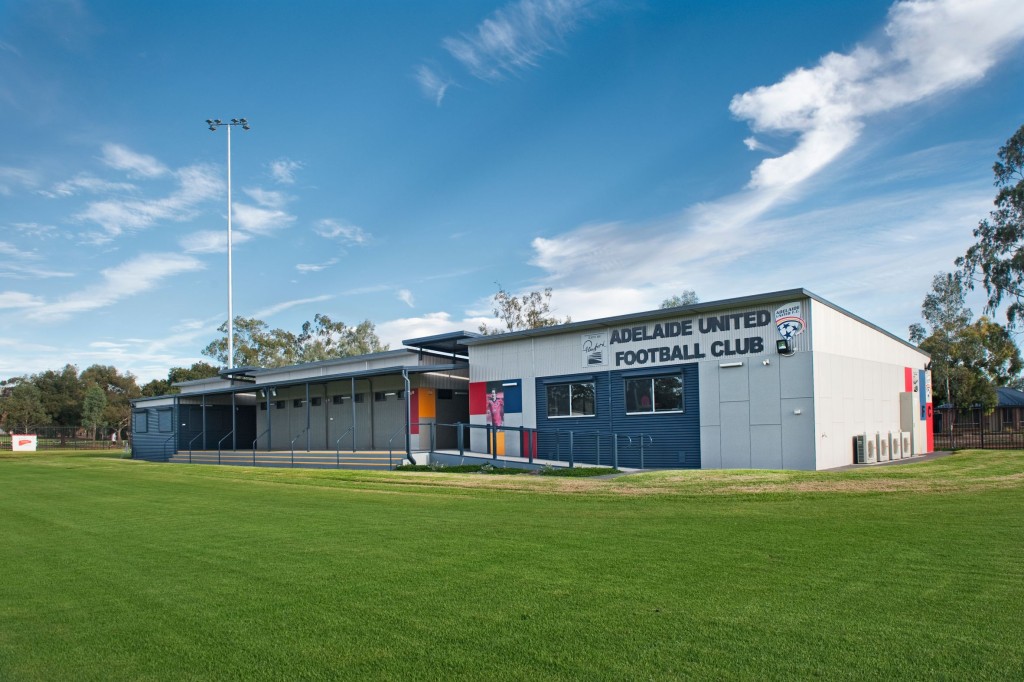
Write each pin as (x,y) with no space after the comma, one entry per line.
(153,433)
(670,440)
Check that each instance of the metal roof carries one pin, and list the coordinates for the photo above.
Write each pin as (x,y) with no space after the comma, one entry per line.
(448,343)
(1009,397)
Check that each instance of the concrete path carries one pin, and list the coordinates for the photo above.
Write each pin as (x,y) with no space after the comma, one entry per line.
(912,460)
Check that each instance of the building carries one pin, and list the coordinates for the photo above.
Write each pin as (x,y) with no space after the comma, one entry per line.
(785,380)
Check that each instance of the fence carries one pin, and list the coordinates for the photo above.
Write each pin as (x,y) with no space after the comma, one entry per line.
(66,438)
(971,429)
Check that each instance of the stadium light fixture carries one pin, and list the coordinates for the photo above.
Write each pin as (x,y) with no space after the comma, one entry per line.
(214,124)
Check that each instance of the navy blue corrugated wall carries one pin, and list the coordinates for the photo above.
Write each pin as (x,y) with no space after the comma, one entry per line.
(154,444)
(670,440)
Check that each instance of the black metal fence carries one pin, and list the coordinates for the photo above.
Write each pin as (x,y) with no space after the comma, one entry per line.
(958,429)
(67,438)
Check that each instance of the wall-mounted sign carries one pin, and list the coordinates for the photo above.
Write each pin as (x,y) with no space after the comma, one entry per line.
(23,442)
(789,320)
(594,347)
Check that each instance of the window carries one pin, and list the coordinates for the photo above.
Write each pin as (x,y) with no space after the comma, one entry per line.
(315,402)
(444,394)
(360,397)
(164,420)
(400,394)
(338,399)
(141,424)
(298,402)
(380,396)
(263,407)
(279,404)
(647,395)
(571,400)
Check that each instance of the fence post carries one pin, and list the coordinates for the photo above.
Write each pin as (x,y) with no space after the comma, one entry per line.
(641,451)
(615,450)
(598,439)
(459,437)
(572,444)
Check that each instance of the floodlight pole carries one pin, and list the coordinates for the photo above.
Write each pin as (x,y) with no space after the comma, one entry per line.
(213,125)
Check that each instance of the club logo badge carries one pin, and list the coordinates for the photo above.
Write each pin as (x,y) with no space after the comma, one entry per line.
(789,320)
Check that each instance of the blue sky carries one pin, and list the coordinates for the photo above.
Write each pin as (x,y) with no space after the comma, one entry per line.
(406,156)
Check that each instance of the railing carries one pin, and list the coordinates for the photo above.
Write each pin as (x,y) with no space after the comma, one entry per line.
(257,440)
(198,435)
(221,442)
(292,444)
(391,462)
(337,444)
(164,447)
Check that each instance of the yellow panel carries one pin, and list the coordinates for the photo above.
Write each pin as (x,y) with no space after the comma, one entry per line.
(428,403)
(501,442)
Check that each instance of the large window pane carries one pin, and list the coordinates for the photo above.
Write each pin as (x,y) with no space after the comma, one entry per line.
(582,399)
(558,400)
(638,395)
(668,394)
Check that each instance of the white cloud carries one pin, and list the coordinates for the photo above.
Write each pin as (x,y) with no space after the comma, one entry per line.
(18,299)
(431,84)
(16,178)
(260,220)
(121,158)
(283,170)
(394,331)
(929,48)
(36,230)
(285,305)
(212,241)
(130,278)
(405,296)
(267,198)
(343,232)
(196,184)
(315,267)
(86,183)
(515,37)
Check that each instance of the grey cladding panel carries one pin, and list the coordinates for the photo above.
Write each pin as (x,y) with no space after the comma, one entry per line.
(765,402)
(766,446)
(736,435)
(710,447)
(798,442)
(708,372)
(796,376)
(733,385)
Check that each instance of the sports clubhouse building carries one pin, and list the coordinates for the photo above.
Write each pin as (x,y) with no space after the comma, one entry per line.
(783,380)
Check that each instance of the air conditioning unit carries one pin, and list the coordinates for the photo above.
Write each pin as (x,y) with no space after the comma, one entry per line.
(883,449)
(872,450)
(908,444)
(864,449)
(895,446)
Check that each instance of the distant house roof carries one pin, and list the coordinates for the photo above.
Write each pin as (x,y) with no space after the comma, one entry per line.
(1010,397)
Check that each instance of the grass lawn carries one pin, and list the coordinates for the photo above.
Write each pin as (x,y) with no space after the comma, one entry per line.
(118,569)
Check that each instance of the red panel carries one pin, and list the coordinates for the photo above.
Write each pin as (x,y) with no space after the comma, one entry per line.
(414,411)
(908,379)
(478,397)
(928,428)
(529,444)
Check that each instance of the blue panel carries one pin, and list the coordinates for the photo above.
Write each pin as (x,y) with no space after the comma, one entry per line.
(513,394)
(923,394)
(152,444)
(670,440)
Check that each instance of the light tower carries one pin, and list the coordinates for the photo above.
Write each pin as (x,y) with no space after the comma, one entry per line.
(214,124)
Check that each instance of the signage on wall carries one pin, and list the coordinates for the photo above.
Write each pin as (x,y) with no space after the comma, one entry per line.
(789,320)
(719,335)
(594,347)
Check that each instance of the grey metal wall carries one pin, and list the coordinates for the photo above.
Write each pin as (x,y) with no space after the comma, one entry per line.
(157,442)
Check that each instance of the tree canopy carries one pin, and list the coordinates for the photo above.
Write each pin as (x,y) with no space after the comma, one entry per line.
(686,297)
(969,358)
(529,311)
(998,255)
(256,344)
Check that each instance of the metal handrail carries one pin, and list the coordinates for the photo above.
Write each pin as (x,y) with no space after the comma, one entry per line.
(292,444)
(164,447)
(201,433)
(257,440)
(337,447)
(391,450)
(229,434)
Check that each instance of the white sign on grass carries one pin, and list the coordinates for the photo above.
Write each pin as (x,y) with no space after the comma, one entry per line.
(23,442)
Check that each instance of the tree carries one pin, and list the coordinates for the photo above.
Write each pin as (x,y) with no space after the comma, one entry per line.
(968,359)
(322,339)
(22,407)
(198,370)
(93,406)
(61,393)
(529,311)
(119,389)
(688,297)
(998,254)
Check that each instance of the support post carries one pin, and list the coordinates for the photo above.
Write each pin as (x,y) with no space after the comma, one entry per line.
(204,428)
(234,419)
(308,423)
(352,383)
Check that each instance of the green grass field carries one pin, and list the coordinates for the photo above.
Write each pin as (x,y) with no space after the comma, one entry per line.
(117,569)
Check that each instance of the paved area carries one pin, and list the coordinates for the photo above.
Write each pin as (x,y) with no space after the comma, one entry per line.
(912,460)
